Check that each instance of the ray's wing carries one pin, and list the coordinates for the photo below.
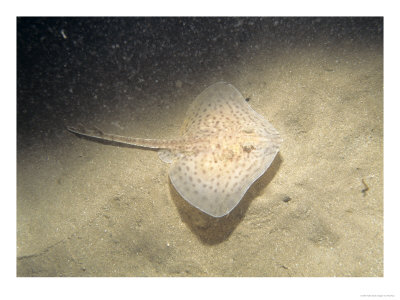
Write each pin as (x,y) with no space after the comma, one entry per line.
(222,108)
(215,182)
(208,113)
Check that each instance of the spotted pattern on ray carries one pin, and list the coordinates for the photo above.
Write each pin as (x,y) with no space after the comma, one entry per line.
(225,146)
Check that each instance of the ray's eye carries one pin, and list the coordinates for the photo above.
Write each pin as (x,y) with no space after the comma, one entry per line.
(248,148)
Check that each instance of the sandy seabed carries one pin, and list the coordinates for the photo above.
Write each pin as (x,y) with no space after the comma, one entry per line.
(89,209)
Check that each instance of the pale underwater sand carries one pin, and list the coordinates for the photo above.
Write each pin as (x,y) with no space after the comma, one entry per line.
(89,209)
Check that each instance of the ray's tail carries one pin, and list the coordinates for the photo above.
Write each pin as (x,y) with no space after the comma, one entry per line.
(101,136)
